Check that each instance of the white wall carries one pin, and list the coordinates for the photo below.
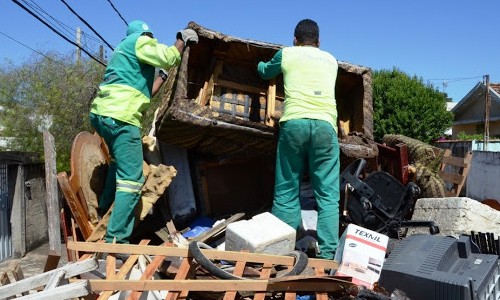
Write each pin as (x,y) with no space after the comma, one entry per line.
(483,181)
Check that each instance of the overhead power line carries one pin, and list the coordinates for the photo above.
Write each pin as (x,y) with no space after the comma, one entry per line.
(119,14)
(26,46)
(86,23)
(456,79)
(63,27)
(57,32)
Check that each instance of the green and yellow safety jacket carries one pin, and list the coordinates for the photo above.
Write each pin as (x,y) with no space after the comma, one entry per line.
(125,92)
(309,76)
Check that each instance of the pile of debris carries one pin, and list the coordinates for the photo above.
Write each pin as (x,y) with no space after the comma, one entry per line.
(202,229)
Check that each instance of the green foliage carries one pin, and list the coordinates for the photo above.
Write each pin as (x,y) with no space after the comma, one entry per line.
(47,93)
(469,137)
(405,105)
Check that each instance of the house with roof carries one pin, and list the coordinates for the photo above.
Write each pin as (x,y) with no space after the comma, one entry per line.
(469,113)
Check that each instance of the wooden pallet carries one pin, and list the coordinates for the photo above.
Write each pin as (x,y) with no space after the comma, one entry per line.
(454,171)
(191,278)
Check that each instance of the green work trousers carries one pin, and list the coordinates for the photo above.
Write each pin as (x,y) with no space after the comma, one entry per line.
(125,175)
(312,143)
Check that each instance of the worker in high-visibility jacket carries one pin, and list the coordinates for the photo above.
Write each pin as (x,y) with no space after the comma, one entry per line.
(116,115)
(308,133)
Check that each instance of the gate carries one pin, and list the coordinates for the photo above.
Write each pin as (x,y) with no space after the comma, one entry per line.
(5,235)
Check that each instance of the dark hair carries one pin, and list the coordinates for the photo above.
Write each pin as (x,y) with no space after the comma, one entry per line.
(149,34)
(307,32)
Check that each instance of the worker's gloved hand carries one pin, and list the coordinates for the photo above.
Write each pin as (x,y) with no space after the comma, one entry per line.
(188,36)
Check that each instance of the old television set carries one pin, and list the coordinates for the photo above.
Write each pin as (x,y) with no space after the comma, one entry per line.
(441,267)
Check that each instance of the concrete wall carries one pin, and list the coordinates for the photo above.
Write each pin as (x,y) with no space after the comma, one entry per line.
(36,213)
(27,198)
(484,174)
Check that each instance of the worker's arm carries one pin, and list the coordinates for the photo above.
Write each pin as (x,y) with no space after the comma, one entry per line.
(162,77)
(151,52)
(272,68)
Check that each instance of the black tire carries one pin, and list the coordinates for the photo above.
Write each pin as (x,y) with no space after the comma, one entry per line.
(301,261)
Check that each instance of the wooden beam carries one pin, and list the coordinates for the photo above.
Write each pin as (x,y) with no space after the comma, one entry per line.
(298,283)
(218,228)
(185,272)
(210,254)
(271,102)
(151,269)
(67,291)
(208,92)
(74,204)
(239,87)
(53,208)
(124,270)
(36,281)
(265,273)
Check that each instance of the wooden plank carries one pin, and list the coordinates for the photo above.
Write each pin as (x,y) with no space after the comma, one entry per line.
(110,266)
(17,272)
(271,103)
(184,272)
(265,273)
(40,280)
(238,271)
(218,228)
(75,236)
(298,283)
(74,204)
(239,87)
(454,161)
(124,270)
(54,280)
(207,95)
(320,272)
(147,274)
(52,201)
(210,254)
(4,278)
(53,258)
(67,291)
(65,229)
(451,177)
(465,171)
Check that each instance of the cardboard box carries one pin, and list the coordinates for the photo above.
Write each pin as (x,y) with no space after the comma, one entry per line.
(361,255)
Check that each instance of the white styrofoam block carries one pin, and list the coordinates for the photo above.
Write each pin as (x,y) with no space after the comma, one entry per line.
(264,233)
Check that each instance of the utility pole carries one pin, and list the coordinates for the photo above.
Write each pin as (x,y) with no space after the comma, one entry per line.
(101,53)
(78,43)
(487,113)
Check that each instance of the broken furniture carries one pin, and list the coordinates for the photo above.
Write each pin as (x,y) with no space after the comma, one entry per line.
(379,202)
(394,160)
(187,277)
(216,107)
(454,172)
(50,285)
(426,160)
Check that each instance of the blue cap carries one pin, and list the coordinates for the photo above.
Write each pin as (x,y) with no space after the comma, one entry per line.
(137,26)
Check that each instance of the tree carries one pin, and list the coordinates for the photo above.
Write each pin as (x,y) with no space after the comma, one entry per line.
(405,105)
(47,92)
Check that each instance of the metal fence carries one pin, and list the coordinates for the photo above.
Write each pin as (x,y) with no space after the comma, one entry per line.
(5,233)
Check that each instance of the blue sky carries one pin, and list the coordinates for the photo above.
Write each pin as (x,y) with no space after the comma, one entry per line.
(450,43)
